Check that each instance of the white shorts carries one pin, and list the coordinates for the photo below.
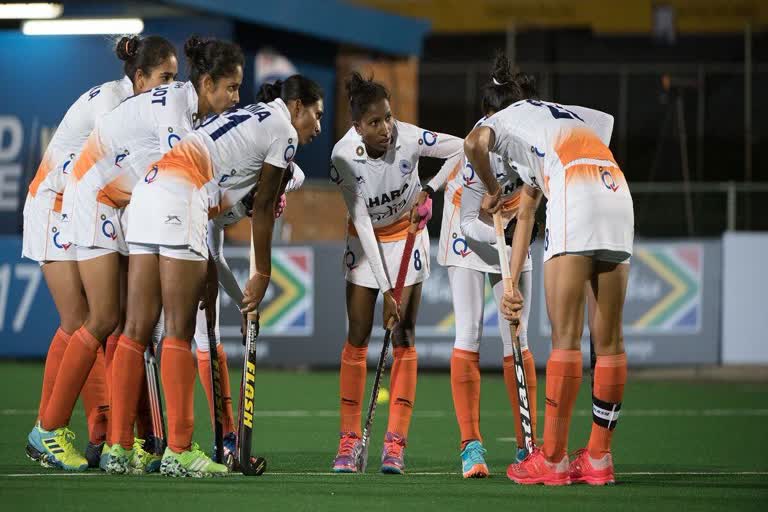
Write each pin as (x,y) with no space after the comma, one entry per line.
(456,251)
(179,252)
(169,212)
(42,239)
(358,270)
(589,209)
(90,224)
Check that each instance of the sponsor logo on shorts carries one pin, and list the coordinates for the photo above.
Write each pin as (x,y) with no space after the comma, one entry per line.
(151,175)
(109,230)
(56,234)
(289,152)
(608,180)
(405,167)
(173,220)
(460,246)
(349,259)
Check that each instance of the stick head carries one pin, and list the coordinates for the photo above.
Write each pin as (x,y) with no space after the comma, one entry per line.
(362,458)
(254,467)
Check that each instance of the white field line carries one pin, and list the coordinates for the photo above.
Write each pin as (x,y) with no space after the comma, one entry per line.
(414,473)
(331,413)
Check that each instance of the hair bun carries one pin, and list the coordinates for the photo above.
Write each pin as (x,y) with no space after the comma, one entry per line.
(502,69)
(193,47)
(127,47)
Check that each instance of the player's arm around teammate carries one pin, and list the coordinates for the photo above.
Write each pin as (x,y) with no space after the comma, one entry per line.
(149,61)
(468,251)
(376,167)
(587,245)
(206,173)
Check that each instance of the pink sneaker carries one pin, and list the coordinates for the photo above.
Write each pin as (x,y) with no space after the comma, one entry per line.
(393,454)
(349,450)
(585,469)
(536,469)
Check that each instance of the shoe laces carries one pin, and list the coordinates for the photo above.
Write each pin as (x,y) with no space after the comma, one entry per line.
(475,452)
(67,434)
(394,446)
(347,444)
(197,452)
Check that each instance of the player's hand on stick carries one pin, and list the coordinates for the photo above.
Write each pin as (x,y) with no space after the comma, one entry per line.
(255,289)
(491,202)
(512,305)
(391,310)
(423,210)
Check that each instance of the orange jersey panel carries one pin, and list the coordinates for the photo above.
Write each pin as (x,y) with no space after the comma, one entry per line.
(582,143)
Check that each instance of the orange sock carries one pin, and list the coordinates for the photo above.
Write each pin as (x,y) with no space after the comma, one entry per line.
(403,390)
(109,356)
(352,386)
(52,363)
(127,378)
(204,371)
(177,367)
(465,387)
(73,371)
(610,377)
(95,401)
(144,425)
(563,381)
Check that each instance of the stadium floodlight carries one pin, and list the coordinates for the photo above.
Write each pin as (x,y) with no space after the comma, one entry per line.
(82,26)
(30,11)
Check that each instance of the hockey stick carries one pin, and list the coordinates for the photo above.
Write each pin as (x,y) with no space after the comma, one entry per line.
(153,389)
(524,413)
(218,410)
(249,465)
(405,262)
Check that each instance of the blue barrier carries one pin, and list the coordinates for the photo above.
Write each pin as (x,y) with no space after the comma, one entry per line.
(28,317)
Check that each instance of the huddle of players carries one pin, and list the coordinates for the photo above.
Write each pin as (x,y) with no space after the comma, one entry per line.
(188,167)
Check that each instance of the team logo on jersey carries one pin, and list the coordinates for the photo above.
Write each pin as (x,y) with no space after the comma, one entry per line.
(460,246)
(172,138)
(536,151)
(468,175)
(120,157)
(56,234)
(289,152)
(151,175)
(608,180)
(405,167)
(349,259)
(66,165)
(428,138)
(359,151)
(335,175)
(173,220)
(108,229)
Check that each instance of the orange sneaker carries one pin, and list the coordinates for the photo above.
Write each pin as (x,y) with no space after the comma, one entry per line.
(585,469)
(536,469)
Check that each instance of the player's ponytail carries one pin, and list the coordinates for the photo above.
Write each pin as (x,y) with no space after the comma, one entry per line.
(143,54)
(506,87)
(363,93)
(211,57)
(295,87)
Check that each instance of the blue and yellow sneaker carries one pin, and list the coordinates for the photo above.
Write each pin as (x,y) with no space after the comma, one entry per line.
(119,460)
(473,461)
(56,449)
(32,453)
(192,463)
(144,461)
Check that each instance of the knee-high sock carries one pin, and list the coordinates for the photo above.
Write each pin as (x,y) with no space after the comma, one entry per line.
(465,387)
(144,425)
(403,390)
(96,400)
(204,372)
(610,378)
(52,362)
(511,384)
(127,378)
(563,381)
(177,367)
(73,371)
(352,387)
